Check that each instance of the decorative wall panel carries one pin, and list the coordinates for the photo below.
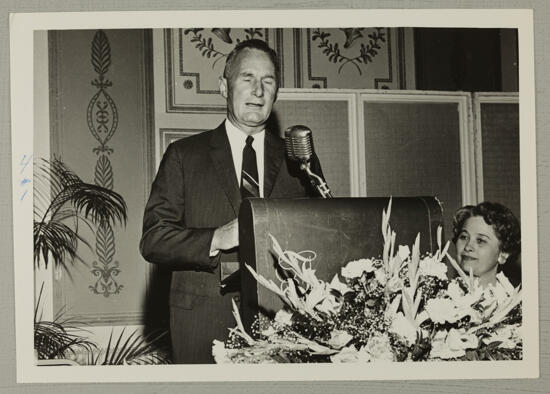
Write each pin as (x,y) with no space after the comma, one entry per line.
(347,58)
(101,126)
(102,118)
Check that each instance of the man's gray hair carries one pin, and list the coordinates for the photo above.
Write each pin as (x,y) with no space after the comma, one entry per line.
(247,45)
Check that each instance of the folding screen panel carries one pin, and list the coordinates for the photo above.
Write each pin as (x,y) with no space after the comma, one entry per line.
(497,133)
(419,144)
(498,158)
(331,117)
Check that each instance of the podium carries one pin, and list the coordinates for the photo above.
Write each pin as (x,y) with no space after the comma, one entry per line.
(338,230)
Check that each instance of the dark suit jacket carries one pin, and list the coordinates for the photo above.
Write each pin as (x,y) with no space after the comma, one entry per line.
(196,191)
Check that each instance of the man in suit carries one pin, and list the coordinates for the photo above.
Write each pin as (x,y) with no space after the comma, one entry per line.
(190,219)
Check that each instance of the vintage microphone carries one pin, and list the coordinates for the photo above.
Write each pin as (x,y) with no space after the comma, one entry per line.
(299,148)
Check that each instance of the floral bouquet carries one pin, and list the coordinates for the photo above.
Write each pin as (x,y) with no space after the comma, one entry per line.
(400,307)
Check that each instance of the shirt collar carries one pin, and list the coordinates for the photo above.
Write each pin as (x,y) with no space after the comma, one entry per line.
(237,135)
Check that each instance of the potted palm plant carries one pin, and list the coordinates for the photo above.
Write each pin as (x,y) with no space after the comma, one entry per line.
(61,197)
(63,203)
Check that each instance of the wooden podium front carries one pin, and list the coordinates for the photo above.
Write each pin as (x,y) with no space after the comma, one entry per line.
(338,230)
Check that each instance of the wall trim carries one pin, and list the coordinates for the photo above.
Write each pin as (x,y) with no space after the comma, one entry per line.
(466,135)
(478,99)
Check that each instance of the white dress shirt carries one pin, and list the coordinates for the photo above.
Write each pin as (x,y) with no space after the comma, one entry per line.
(237,141)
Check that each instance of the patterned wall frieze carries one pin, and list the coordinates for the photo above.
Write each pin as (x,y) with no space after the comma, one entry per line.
(350,58)
(346,58)
(102,119)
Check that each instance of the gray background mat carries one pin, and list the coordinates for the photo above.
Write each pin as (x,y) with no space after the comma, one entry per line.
(7,323)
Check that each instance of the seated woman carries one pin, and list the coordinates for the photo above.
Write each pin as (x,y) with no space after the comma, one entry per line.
(486,236)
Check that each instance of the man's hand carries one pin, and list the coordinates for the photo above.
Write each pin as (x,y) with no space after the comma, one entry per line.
(226,237)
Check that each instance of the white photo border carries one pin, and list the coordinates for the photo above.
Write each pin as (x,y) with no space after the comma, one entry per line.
(22,27)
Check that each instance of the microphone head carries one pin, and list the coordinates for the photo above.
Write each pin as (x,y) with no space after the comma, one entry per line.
(299,143)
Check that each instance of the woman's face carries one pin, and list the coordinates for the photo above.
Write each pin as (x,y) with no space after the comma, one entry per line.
(478,249)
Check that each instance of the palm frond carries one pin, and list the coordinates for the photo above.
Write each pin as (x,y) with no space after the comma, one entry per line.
(51,177)
(38,302)
(101,205)
(135,349)
(63,174)
(56,240)
(60,196)
(54,340)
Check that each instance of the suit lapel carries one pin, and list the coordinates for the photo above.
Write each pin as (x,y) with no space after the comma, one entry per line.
(220,152)
(273,158)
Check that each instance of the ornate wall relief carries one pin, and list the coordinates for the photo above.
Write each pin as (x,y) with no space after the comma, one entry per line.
(102,119)
(352,58)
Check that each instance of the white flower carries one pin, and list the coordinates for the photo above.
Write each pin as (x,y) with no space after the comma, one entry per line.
(500,291)
(460,339)
(439,348)
(403,252)
(463,301)
(441,310)
(350,355)
(269,331)
(315,296)
(379,348)
(339,339)
(380,275)
(454,290)
(330,305)
(394,284)
(509,336)
(308,275)
(503,281)
(403,328)
(430,266)
(340,287)
(283,317)
(356,268)
(452,344)
(219,352)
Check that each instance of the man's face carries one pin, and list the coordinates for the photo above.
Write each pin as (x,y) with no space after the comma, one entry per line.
(250,91)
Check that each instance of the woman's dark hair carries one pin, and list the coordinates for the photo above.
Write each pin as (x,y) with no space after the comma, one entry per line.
(503,221)
(247,45)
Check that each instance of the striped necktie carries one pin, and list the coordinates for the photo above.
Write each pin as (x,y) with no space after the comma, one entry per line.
(249,174)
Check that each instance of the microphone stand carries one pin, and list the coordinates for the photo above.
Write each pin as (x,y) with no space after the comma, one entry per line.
(316,181)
